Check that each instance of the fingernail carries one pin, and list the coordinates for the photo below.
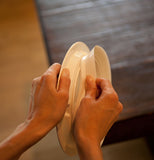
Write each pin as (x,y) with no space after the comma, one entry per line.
(66,72)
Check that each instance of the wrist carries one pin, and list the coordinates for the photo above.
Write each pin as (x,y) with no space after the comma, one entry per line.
(88,147)
(24,136)
(89,150)
(39,125)
(84,138)
(19,141)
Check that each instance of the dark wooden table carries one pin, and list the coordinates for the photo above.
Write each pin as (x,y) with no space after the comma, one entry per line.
(125,28)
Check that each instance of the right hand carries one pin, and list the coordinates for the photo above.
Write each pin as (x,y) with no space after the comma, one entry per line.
(98,110)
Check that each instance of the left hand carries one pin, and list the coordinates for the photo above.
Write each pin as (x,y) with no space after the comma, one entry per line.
(47,107)
(48,104)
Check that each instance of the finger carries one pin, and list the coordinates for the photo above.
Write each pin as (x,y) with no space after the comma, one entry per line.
(36,81)
(52,73)
(90,87)
(103,86)
(54,67)
(64,82)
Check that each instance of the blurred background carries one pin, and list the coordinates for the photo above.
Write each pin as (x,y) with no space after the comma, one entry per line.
(23,57)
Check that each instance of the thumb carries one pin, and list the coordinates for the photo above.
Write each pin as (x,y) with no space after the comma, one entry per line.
(90,87)
(64,82)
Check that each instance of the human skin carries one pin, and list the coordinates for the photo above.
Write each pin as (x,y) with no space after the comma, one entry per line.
(98,110)
(47,107)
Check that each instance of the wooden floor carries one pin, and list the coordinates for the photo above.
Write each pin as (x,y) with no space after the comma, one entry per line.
(23,57)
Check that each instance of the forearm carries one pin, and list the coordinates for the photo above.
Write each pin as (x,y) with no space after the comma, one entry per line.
(20,140)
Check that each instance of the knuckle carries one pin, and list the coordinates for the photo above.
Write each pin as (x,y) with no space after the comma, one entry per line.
(115,96)
(106,81)
(53,66)
(56,64)
(86,100)
(64,78)
(112,96)
(119,107)
(64,95)
(45,77)
(35,81)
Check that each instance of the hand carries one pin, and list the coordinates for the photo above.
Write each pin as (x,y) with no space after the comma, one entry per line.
(98,110)
(47,107)
(48,104)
